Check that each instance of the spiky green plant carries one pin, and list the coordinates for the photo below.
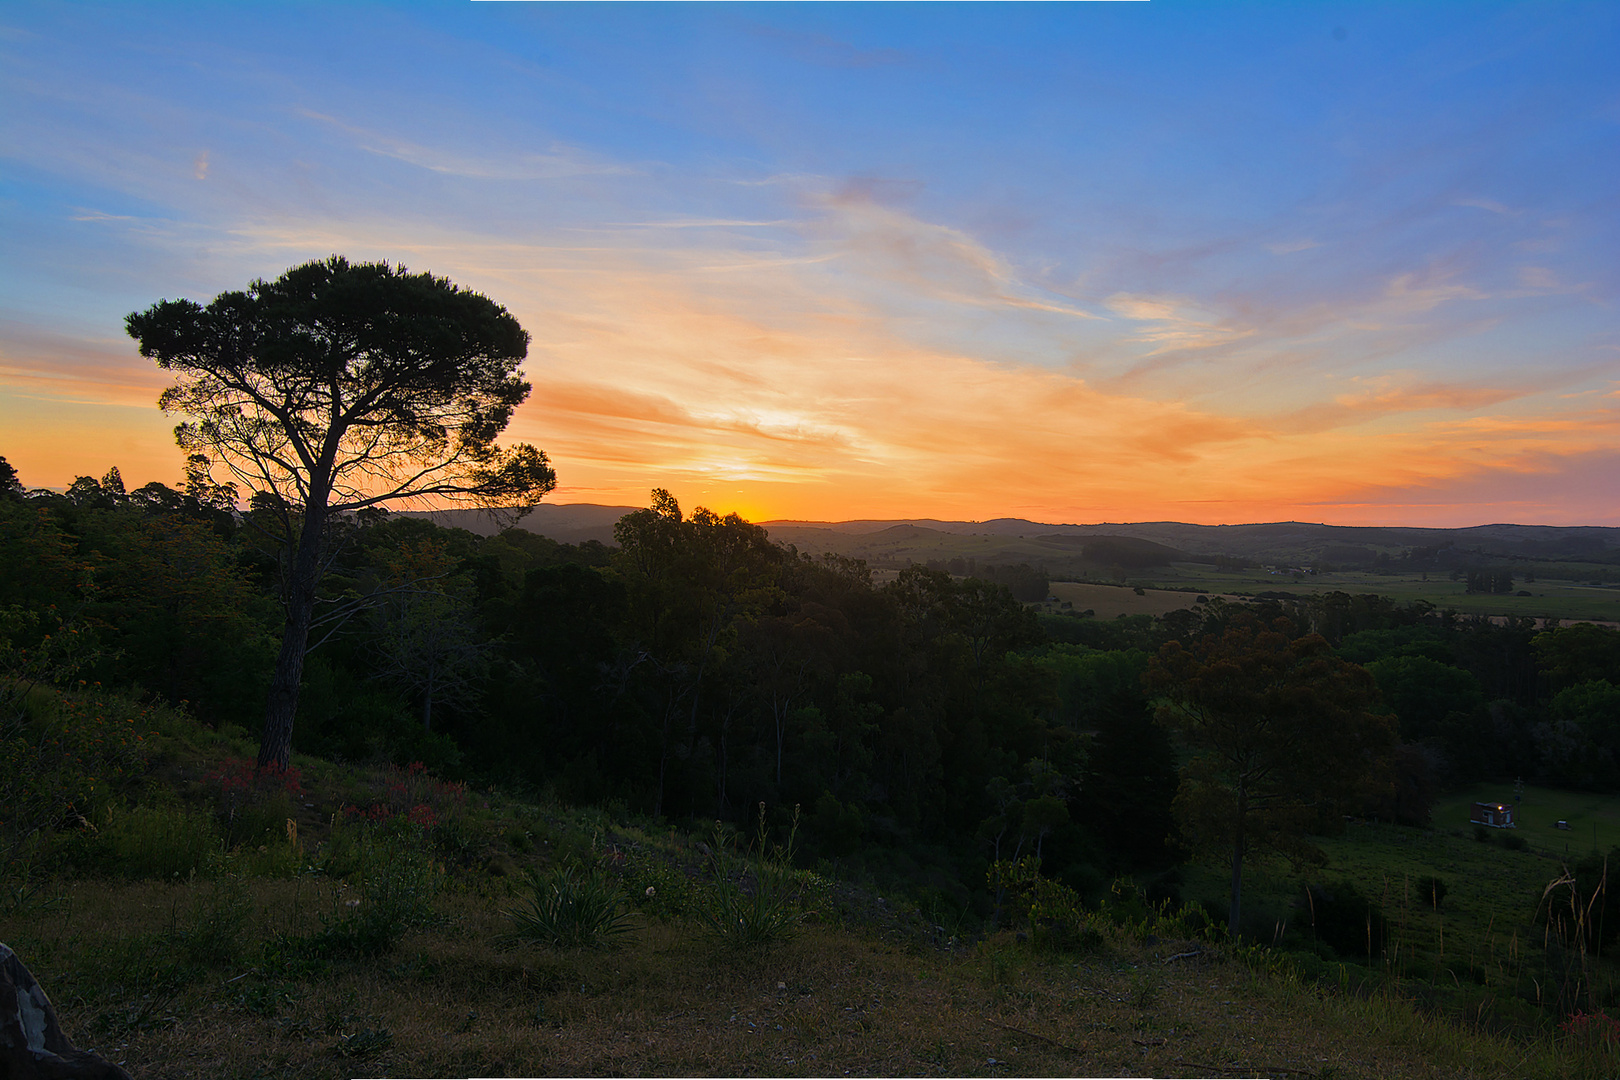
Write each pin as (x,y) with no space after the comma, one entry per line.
(754,905)
(565,910)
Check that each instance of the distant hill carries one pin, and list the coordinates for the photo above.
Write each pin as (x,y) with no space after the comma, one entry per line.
(1142,544)
(566,523)
(1127,545)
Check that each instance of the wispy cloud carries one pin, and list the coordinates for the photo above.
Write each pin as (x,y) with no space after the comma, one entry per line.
(1289,247)
(556,161)
(1175,324)
(1490,205)
(925,258)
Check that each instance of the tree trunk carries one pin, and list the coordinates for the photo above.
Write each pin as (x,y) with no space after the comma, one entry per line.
(275,744)
(1237,885)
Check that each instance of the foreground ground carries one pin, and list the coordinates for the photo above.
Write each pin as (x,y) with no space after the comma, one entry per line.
(173,980)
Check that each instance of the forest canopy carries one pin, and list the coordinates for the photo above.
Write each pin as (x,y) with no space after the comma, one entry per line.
(694,669)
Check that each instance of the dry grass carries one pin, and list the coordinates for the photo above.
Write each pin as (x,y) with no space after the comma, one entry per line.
(455,1000)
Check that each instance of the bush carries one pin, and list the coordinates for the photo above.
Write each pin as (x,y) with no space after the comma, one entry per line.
(566,910)
(1049,910)
(756,902)
(64,761)
(154,841)
(1345,919)
(662,890)
(397,883)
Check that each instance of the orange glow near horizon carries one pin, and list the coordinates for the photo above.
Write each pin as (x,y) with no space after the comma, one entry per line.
(858,262)
(779,390)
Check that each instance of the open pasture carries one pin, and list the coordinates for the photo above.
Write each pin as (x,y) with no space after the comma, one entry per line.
(1594,819)
(1562,600)
(1111,601)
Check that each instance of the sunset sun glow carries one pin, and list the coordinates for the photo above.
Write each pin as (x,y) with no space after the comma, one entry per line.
(1072,263)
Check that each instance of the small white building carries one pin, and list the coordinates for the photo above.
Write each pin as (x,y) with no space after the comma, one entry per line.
(1493,815)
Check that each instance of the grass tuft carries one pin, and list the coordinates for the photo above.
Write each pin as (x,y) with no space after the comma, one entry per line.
(565,910)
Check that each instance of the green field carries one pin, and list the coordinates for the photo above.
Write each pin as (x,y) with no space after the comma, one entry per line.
(1179,587)
(1109,601)
(1485,947)
(1594,820)
(1561,600)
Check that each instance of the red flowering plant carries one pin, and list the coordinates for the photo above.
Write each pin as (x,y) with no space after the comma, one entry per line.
(1592,1030)
(251,802)
(239,784)
(414,796)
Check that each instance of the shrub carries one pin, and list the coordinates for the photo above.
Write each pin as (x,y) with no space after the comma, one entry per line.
(63,762)
(756,901)
(254,805)
(1049,910)
(157,841)
(662,890)
(1345,919)
(397,883)
(570,911)
(1593,1040)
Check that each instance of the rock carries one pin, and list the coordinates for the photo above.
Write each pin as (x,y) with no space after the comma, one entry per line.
(32,1046)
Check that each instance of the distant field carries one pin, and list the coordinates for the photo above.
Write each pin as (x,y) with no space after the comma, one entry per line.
(1594,820)
(1560,600)
(1111,601)
(1492,893)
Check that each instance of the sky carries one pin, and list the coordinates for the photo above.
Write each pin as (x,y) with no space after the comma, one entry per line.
(1208,262)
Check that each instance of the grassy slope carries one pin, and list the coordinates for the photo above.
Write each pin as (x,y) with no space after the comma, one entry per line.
(212,975)
(1594,819)
(1483,951)
(452,1001)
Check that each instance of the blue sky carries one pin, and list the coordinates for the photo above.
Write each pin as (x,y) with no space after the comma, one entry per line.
(1213,262)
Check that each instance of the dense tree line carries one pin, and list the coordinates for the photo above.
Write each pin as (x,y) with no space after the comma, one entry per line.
(929,723)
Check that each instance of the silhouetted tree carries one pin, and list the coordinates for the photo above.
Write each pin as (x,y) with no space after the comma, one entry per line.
(337,388)
(1280,730)
(10,486)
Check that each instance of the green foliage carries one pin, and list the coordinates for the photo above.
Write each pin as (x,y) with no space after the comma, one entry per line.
(1049,911)
(66,763)
(1425,693)
(662,890)
(1592,1041)
(1281,734)
(37,651)
(396,881)
(757,898)
(157,841)
(215,932)
(566,909)
(1432,891)
(1345,919)
(1129,908)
